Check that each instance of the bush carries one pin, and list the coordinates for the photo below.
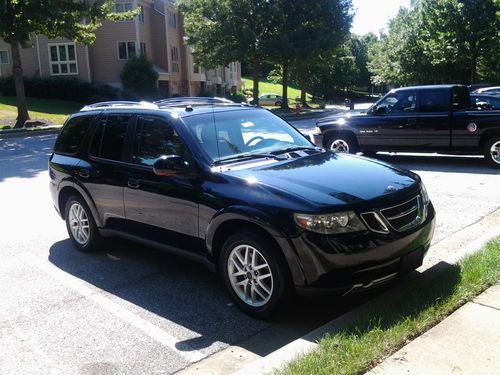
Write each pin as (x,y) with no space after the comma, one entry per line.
(237,97)
(60,88)
(139,78)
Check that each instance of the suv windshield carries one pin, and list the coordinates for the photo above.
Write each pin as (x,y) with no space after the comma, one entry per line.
(227,135)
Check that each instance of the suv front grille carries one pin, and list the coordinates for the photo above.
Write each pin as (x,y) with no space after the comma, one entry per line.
(406,215)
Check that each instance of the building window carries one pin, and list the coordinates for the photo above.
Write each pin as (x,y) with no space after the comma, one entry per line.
(4,57)
(123,7)
(172,19)
(174,54)
(143,49)
(126,50)
(196,68)
(63,59)
(140,17)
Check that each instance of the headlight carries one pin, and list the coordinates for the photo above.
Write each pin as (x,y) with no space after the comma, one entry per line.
(317,130)
(339,222)
(425,196)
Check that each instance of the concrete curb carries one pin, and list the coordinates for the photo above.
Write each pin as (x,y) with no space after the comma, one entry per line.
(456,246)
(28,133)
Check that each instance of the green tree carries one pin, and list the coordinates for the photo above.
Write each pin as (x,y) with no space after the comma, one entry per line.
(73,19)
(139,78)
(222,31)
(308,30)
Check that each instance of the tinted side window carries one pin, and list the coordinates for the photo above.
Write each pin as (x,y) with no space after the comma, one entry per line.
(155,138)
(435,100)
(109,138)
(461,98)
(71,136)
(399,101)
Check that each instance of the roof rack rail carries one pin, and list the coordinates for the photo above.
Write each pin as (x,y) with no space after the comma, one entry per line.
(118,103)
(187,100)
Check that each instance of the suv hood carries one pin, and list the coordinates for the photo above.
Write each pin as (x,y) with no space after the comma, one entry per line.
(329,179)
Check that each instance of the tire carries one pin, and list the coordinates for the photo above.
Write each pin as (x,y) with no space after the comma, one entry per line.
(342,142)
(81,226)
(256,297)
(491,152)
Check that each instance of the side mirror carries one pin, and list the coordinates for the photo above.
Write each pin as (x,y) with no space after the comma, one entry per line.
(168,165)
(379,110)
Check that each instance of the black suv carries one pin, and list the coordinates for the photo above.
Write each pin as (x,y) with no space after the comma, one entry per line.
(241,190)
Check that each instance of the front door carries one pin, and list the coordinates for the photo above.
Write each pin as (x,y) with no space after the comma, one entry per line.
(393,124)
(161,208)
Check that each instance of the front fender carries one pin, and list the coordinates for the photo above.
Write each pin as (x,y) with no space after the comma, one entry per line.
(263,221)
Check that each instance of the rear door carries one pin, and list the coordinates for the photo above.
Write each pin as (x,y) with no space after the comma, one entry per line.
(103,173)
(434,127)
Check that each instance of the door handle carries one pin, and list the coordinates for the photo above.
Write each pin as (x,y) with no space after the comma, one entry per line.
(133,183)
(84,173)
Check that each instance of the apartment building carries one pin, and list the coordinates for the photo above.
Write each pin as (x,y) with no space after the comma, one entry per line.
(157,33)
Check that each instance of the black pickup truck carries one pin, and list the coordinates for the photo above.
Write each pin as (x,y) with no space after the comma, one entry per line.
(436,118)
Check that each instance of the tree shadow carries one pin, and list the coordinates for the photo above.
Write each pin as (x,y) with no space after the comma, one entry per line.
(25,157)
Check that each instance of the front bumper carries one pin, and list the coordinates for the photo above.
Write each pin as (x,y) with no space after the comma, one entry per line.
(359,262)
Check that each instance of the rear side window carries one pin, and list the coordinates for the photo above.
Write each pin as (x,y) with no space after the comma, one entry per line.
(109,138)
(435,100)
(461,98)
(72,135)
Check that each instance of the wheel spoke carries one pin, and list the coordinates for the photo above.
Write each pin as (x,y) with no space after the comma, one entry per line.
(259,292)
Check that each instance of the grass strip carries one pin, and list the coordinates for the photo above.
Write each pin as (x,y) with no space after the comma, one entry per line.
(391,322)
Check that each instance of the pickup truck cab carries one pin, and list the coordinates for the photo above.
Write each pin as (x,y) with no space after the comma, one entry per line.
(436,118)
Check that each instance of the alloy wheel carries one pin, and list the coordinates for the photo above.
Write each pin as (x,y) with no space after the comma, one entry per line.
(495,152)
(250,275)
(339,145)
(79,223)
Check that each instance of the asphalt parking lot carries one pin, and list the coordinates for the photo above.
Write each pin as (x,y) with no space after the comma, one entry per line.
(131,309)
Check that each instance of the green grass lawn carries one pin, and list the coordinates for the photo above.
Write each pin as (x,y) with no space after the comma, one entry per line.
(266,87)
(391,322)
(51,111)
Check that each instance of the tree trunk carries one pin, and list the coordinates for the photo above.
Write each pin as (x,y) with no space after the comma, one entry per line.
(473,64)
(17,72)
(255,75)
(284,100)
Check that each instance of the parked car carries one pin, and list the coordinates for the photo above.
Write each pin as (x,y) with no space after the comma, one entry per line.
(485,101)
(435,118)
(270,99)
(242,191)
(492,90)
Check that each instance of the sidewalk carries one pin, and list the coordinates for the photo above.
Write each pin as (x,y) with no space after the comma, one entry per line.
(466,342)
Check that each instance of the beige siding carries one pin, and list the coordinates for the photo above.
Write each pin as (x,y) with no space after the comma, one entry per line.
(104,63)
(29,60)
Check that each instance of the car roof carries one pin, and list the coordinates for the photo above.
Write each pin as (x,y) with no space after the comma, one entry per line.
(486,89)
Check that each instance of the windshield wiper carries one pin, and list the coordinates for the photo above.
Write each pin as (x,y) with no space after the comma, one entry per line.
(295,148)
(248,155)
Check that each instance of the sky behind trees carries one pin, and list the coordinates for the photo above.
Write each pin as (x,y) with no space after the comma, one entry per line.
(371,15)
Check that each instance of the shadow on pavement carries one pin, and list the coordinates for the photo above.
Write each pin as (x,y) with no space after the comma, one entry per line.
(186,294)
(25,157)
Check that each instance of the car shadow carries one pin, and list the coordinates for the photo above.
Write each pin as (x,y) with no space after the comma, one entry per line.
(439,163)
(25,157)
(186,294)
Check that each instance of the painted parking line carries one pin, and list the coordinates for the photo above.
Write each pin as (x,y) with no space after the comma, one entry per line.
(177,346)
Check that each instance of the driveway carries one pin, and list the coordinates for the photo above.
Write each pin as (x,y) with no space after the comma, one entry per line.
(132,309)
